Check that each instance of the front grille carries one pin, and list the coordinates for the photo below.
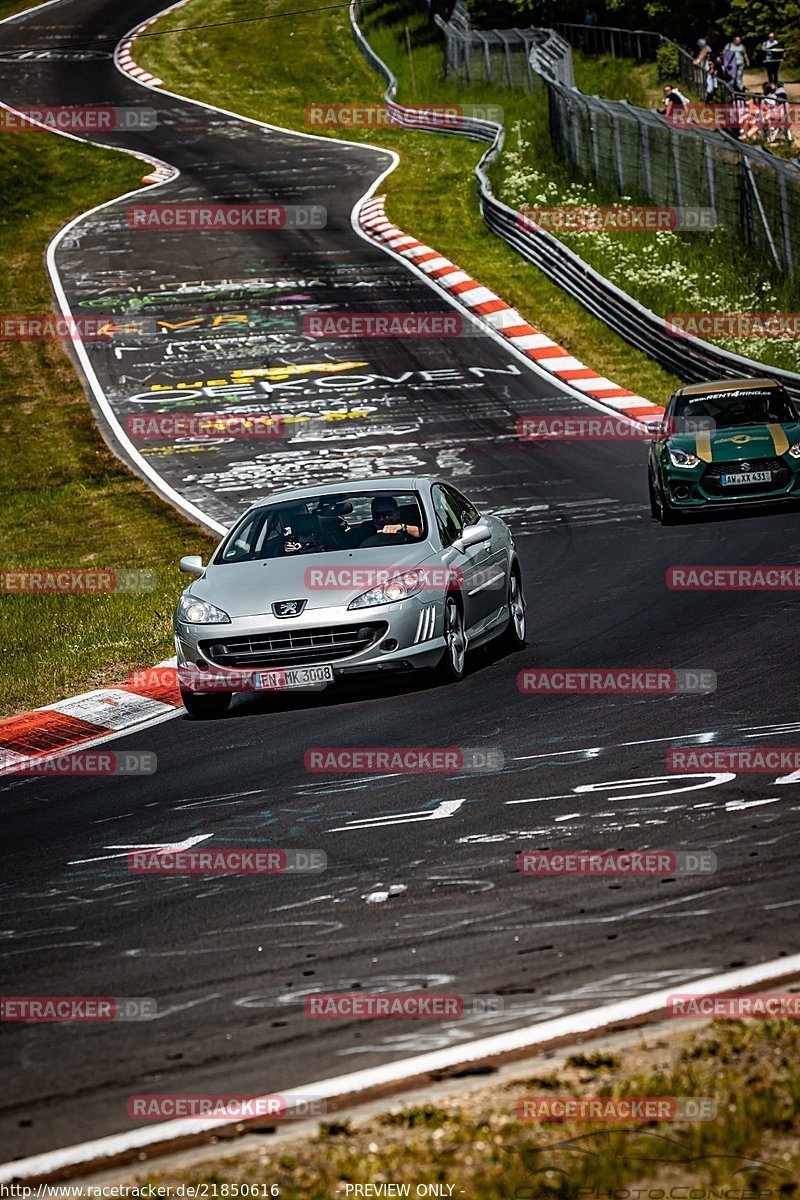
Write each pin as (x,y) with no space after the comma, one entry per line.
(712,477)
(293,647)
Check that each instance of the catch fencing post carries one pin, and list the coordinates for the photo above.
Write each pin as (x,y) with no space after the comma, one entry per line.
(676,168)
(787,232)
(762,214)
(646,166)
(710,182)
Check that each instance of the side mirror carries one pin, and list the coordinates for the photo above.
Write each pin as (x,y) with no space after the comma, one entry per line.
(191,564)
(473,535)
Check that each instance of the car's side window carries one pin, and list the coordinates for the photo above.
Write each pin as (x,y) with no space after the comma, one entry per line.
(467,510)
(447,516)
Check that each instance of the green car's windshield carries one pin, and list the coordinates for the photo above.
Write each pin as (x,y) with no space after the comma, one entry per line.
(322,524)
(726,410)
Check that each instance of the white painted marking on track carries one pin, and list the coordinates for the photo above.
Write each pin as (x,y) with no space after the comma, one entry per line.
(161,847)
(738,805)
(446,808)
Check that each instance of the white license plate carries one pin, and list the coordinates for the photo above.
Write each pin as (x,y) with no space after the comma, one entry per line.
(293,677)
(747,477)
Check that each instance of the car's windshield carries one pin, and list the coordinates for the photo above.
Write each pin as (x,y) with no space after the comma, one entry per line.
(724,410)
(319,524)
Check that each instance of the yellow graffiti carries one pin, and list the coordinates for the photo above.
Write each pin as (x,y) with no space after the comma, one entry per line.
(249,376)
(290,369)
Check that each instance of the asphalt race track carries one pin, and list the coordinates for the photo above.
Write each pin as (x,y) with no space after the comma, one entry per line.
(229,959)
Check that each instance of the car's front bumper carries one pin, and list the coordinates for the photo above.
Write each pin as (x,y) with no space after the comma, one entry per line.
(701,486)
(407,635)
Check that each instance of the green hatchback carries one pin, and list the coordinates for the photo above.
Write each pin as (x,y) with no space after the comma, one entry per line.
(724,443)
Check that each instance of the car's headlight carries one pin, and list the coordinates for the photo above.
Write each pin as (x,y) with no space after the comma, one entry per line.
(200,612)
(399,587)
(682,458)
(795,450)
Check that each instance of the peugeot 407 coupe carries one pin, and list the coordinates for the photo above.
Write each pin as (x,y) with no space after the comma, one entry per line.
(725,443)
(313,585)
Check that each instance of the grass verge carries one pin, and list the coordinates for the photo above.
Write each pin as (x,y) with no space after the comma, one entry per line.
(478,1143)
(272,70)
(65,500)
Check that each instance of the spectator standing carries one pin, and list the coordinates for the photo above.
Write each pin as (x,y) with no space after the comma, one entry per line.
(712,81)
(702,53)
(772,52)
(735,59)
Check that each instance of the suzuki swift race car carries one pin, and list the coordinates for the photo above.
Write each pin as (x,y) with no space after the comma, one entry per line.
(312,585)
(725,443)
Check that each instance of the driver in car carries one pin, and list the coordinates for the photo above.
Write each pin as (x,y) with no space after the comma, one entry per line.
(386,523)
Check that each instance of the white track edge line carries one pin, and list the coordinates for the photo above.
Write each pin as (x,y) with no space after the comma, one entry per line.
(575,1024)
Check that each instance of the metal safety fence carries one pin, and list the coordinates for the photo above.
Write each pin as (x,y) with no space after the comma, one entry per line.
(687,357)
(507,57)
(636,152)
(641,45)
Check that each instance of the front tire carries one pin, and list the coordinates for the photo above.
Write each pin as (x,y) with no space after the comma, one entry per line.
(453,663)
(207,705)
(654,509)
(660,506)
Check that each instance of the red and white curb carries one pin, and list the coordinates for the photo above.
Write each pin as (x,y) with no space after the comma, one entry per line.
(504,319)
(126,62)
(124,59)
(146,697)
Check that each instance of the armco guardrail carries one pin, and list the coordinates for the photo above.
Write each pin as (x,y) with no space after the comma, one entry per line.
(690,358)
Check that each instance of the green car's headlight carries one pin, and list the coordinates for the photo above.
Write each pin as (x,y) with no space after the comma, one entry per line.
(794,450)
(682,458)
(200,612)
